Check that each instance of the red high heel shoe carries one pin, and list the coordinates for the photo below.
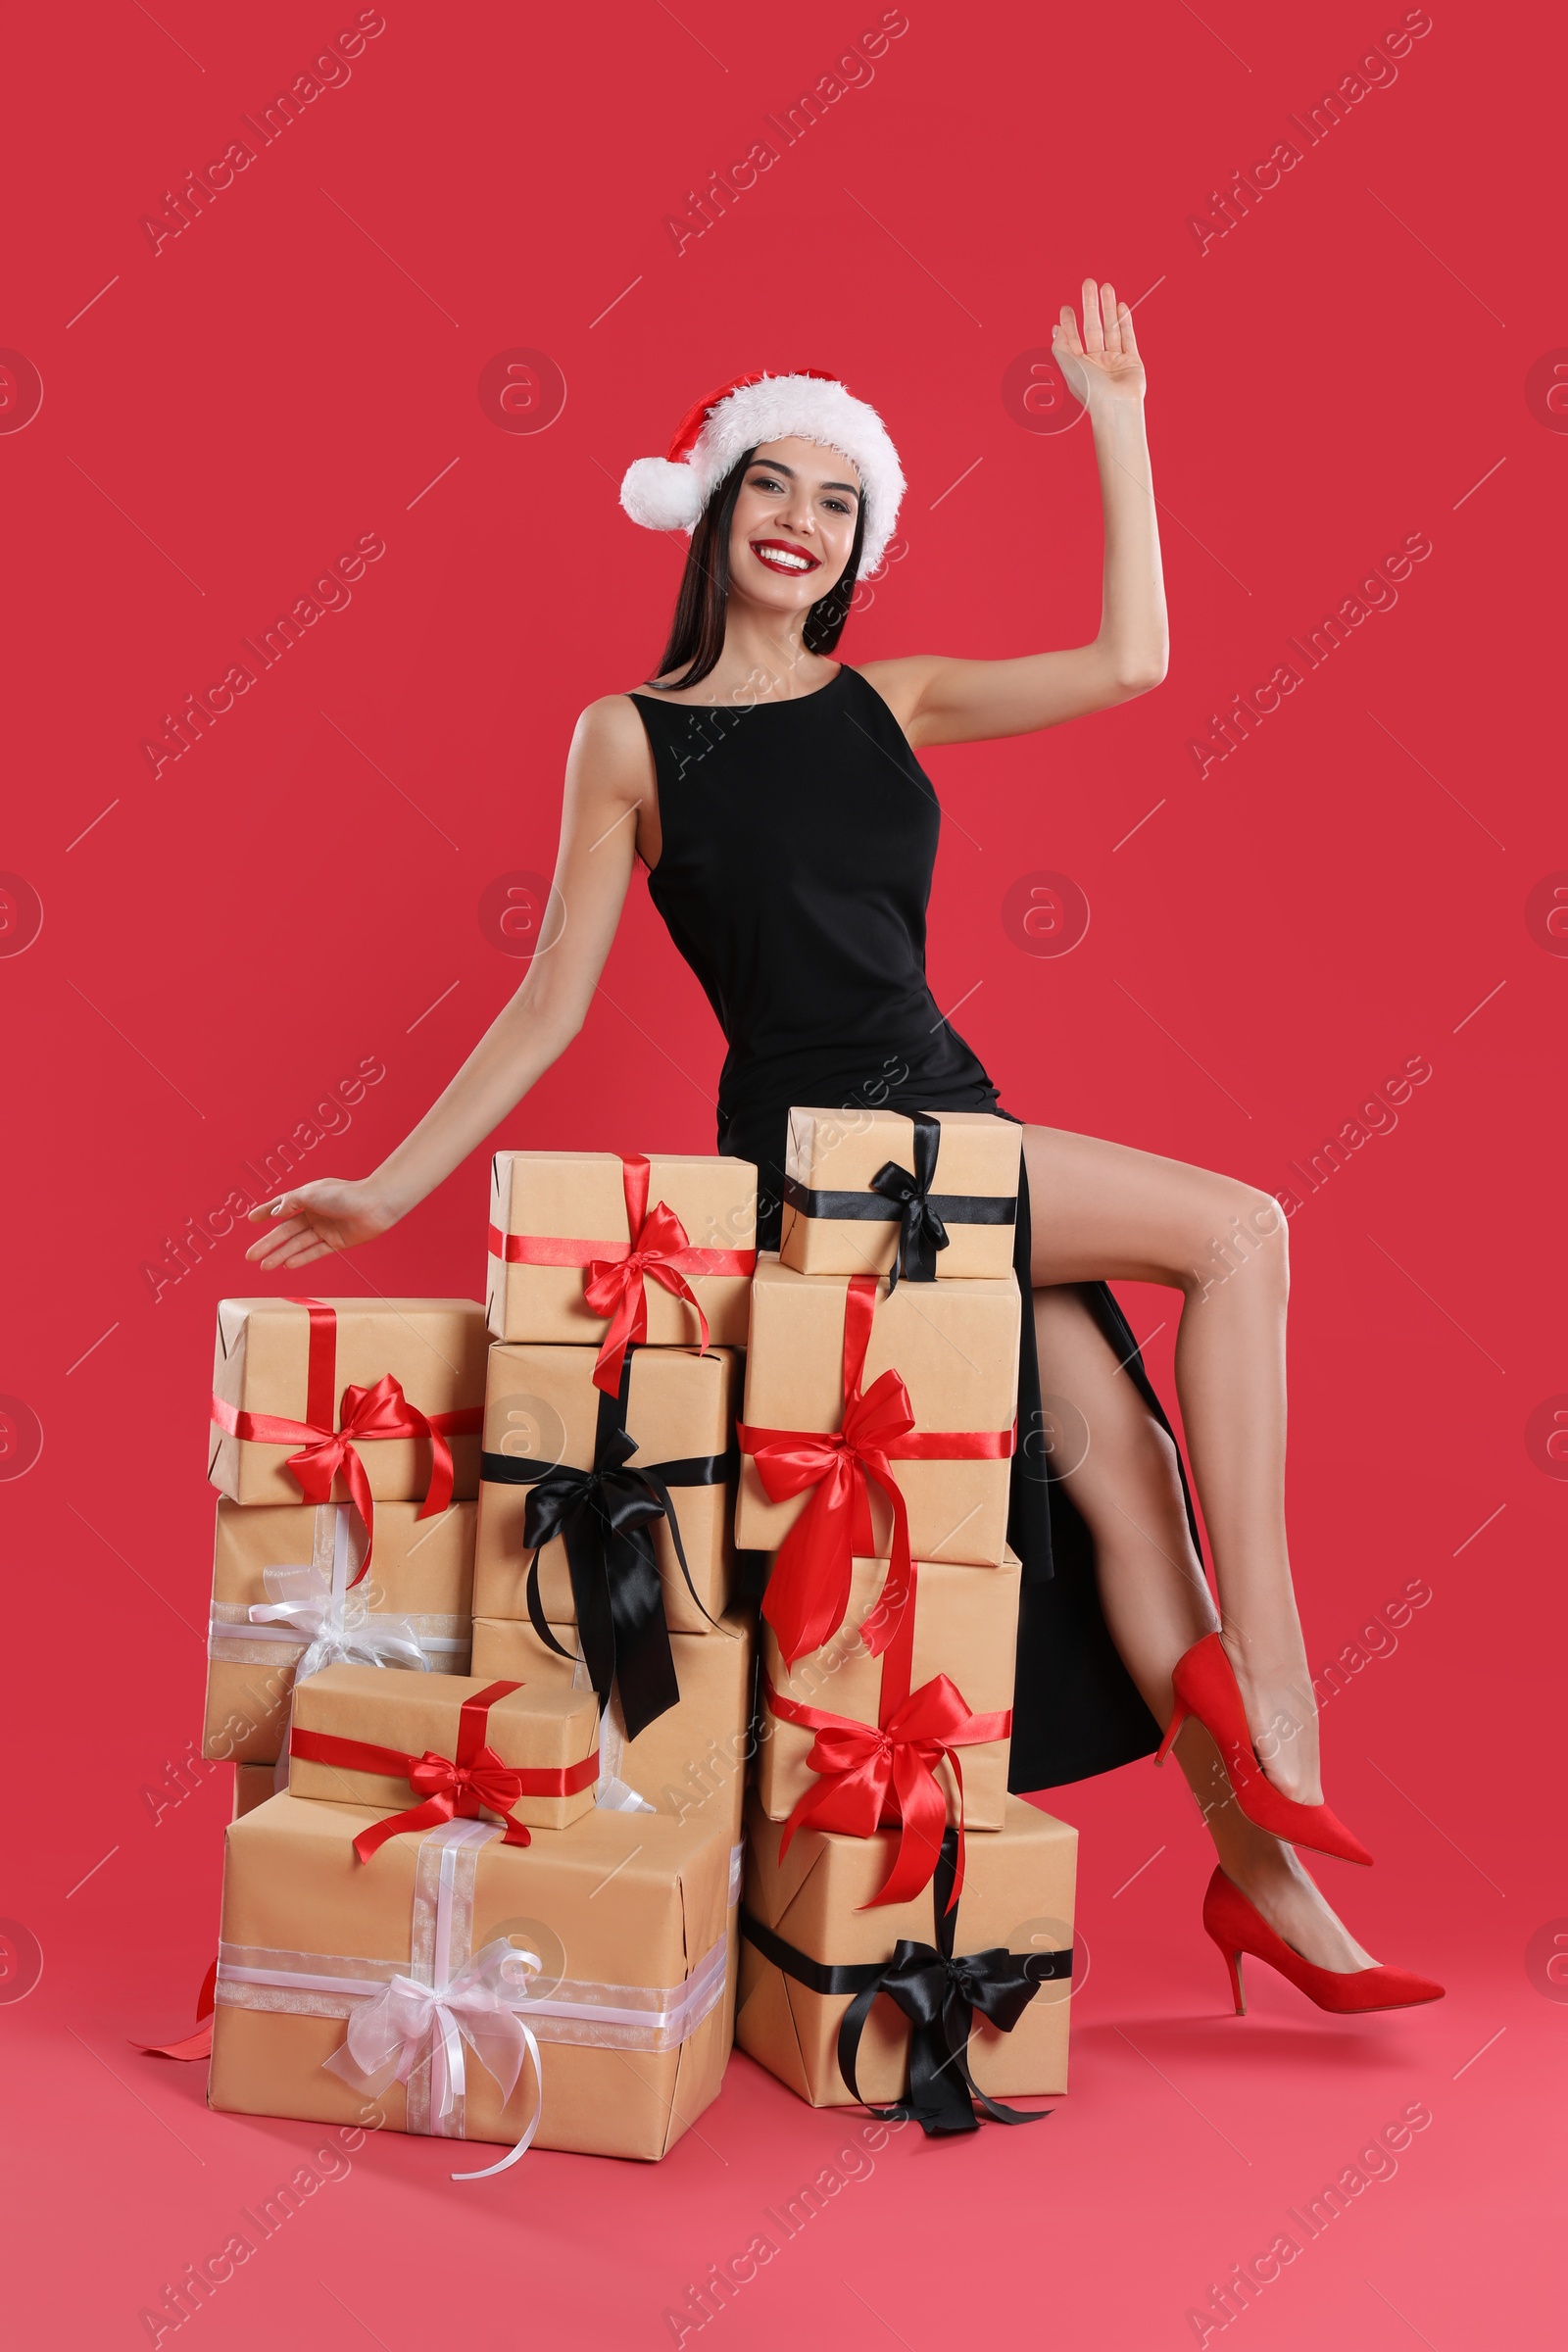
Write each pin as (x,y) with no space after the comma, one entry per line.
(1206,1685)
(1237,1927)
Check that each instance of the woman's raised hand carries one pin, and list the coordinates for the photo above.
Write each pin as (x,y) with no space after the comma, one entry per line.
(314,1220)
(1103,364)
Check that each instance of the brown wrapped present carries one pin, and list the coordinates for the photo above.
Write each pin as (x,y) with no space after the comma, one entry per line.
(344,1994)
(876,1425)
(596,1247)
(600,1484)
(689,1761)
(444,1745)
(254,1784)
(921,1195)
(868,1716)
(822,1999)
(357,1400)
(284,1597)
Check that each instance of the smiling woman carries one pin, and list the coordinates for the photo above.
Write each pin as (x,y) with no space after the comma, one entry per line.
(776,798)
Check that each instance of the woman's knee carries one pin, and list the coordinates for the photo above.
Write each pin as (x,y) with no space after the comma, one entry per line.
(1236,1226)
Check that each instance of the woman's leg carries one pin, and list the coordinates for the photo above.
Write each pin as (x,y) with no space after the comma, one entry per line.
(1128,1488)
(1103,1212)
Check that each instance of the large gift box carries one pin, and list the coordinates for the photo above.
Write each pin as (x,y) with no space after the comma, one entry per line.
(348,1399)
(452,1742)
(926,1194)
(833,1993)
(689,1761)
(874,1424)
(597,1486)
(287,1594)
(596,1247)
(254,1784)
(883,1709)
(395,1991)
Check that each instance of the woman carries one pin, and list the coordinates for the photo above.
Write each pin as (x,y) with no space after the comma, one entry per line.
(789,834)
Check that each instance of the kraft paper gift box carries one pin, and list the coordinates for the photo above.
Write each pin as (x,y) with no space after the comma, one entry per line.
(254,1784)
(282,1594)
(954,1344)
(690,1761)
(627,2010)
(961,1622)
(542,1407)
(282,1376)
(559,1219)
(862,1187)
(806,1909)
(359,1734)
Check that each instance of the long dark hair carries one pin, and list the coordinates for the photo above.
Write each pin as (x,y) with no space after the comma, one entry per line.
(697,632)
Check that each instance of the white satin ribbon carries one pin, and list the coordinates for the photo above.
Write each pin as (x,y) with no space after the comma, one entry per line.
(609,1790)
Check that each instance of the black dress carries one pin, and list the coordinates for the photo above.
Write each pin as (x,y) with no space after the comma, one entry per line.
(799,840)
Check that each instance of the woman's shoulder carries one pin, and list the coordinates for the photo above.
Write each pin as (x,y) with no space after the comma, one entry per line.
(901,682)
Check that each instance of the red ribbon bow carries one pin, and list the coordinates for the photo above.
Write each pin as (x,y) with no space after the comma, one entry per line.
(874,1776)
(615,1273)
(453,1787)
(368,1414)
(809,1589)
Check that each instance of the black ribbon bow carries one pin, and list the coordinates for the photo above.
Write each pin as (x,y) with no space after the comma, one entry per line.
(605,1516)
(921,1232)
(939,1995)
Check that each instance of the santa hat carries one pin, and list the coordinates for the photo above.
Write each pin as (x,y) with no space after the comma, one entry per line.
(670,493)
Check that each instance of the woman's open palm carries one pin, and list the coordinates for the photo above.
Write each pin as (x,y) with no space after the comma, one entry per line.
(313,1221)
(1103,363)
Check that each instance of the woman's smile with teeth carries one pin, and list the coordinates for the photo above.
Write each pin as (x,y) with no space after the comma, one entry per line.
(778,557)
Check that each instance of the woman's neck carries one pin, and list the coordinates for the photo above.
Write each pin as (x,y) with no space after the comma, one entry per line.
(760,662)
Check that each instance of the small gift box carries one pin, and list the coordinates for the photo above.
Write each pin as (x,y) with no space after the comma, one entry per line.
(903,1719)
(288,1598)
(611,1511)
(874,1425)
(348,1401)
(922,1194)
(938,2006)
(443,1747)
(604,1248)
(461,1988)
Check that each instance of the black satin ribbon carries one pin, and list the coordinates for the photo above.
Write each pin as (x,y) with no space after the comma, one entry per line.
(922,1216)
(939,1995)
(605,1516)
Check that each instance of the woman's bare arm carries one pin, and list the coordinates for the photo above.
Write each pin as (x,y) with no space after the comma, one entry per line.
(943,701)
(608,774)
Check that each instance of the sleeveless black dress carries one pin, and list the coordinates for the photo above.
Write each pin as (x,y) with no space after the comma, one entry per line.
(799,842)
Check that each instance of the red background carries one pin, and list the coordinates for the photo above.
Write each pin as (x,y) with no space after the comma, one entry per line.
(1347,366)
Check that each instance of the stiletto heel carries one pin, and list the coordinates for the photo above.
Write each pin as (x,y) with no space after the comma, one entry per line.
(1206,1685)
(1171,1729)
(1237,1927)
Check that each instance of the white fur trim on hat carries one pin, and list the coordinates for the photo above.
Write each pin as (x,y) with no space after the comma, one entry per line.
(667,494)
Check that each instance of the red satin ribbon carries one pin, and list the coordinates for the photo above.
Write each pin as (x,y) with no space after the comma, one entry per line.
(615,1273)
(809,1589)
(368,1415)
(874,1776)
(453,1787)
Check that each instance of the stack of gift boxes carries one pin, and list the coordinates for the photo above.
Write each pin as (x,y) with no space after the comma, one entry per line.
(877,1445)
(494,1892)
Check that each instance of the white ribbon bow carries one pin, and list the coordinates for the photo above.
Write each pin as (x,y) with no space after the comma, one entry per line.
(338,1627)
(388,2036)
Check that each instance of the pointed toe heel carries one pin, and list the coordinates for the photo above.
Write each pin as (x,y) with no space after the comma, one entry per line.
(1236,1927)
(1205,1686)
